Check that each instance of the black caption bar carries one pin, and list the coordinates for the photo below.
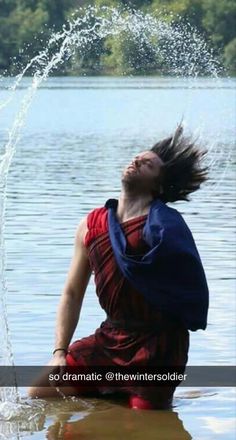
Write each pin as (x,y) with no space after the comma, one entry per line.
(191,376)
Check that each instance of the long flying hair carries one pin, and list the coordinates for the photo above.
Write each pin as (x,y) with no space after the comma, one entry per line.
(183,171)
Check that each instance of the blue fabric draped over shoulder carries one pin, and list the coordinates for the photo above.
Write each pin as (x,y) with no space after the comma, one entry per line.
(170,275)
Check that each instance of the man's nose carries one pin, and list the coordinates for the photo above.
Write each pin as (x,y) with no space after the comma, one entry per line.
(136,162)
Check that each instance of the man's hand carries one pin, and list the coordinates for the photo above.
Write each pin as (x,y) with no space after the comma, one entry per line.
(59,362)
(58,359)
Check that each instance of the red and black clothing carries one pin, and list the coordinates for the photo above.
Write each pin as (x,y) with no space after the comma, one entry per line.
(135,333)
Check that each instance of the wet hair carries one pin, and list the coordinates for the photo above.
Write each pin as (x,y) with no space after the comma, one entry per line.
(182,171)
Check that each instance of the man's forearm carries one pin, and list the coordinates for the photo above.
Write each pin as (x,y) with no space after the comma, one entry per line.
(67,319)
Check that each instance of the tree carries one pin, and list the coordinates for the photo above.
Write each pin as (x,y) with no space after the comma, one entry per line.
(189,10)
(25,26)
(129,55)
(230,56)
(6,6)
(219,20)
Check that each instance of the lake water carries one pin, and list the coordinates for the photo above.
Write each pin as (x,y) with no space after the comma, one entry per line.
(79,134)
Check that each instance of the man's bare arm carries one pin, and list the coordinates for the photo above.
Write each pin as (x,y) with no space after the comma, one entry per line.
(73,292)
(68,312)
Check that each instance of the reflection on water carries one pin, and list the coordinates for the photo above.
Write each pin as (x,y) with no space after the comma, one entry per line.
(97,419)
(197,414)
(117,422)
(79,135)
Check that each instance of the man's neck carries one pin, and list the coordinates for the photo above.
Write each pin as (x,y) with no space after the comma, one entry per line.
(131,205)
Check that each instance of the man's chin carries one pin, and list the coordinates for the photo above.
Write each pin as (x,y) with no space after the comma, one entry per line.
(130,175)
(130,182)
(128,178)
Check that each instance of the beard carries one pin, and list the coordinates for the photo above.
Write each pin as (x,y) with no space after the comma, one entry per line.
(133,182)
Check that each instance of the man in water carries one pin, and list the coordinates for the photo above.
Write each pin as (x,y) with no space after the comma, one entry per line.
(148,275)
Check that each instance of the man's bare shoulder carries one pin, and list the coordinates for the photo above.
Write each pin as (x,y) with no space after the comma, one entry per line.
(81,231)
(94,219)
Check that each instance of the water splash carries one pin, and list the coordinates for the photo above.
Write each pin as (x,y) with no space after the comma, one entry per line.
(182,50)
(29,417)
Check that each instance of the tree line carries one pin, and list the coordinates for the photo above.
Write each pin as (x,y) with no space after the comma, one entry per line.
(26,25)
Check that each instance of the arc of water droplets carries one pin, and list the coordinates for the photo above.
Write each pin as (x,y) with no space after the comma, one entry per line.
(80,31)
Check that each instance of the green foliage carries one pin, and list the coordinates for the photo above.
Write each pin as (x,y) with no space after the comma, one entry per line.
(6,6)
(21,26)
(230,56)
(88,58)
(135,4)
(109,3)
(189,10)
(126,55)
(25,26)
(219,20)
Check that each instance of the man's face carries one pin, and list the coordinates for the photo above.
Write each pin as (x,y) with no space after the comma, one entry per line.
(143,171)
